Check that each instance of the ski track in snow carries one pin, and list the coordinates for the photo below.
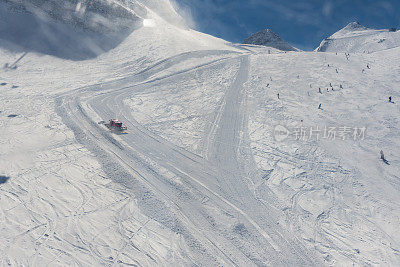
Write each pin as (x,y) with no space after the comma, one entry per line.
(222,171)
(198,179)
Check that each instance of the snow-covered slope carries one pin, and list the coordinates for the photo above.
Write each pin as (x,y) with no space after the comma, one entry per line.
(76,30)
(203,176)
(355,38)
(269,38)
(64,28)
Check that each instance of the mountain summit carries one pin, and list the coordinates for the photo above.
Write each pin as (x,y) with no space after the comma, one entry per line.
(353,26)
(269,38)
(356,38)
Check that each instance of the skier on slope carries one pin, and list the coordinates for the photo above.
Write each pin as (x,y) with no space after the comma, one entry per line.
(384,159)
(382,156)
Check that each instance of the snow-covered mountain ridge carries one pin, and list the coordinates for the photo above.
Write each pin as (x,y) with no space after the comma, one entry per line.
(77,29)
(359,39)
(269,38)
(98,16)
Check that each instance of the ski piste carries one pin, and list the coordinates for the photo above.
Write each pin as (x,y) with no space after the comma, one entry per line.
(199,177)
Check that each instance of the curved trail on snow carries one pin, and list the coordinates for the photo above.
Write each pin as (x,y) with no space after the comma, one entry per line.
(187,193)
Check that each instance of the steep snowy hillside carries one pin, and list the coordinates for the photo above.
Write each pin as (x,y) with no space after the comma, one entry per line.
(65,29)
(76,30)
(355,38)
(269,38)
(233,156)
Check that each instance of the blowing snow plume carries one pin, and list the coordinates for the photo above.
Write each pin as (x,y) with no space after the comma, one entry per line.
(74,30)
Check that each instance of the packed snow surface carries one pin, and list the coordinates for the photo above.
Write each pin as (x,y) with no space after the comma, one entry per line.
(233,156)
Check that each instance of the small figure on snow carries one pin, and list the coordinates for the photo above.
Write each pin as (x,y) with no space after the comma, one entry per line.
(382,156)
(368,66)
(319,90)
(337,71)
(390,99)
(320,106)
(341,86)
(278,95)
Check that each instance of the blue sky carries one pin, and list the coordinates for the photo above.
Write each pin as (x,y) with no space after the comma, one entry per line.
(303,23)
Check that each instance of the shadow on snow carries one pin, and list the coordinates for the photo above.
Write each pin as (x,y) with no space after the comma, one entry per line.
(3,179)
(61,32)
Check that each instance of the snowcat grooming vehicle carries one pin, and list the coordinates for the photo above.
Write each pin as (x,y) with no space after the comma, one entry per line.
(116,125)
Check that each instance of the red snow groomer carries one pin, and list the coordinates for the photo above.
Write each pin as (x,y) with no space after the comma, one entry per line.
(115,124)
